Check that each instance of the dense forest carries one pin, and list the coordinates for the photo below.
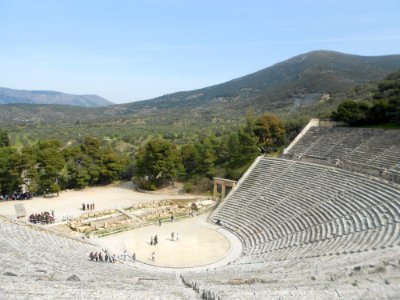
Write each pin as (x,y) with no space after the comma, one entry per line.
(49,166)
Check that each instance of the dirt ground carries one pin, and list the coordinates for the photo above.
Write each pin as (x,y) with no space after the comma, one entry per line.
(69,203)
(199,243)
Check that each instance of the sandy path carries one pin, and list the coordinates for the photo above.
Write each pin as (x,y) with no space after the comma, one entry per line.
(199,243)
(69,203)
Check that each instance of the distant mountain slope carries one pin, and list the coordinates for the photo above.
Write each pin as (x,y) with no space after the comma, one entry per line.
(306,84)
(8,96)
(301,81)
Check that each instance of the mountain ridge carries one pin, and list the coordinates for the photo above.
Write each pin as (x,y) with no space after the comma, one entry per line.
(309,82)
(350,69)
(16,96)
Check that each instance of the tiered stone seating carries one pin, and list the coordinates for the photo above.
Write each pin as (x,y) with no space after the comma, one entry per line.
(311,210)
(364,275)
(373,151)
(42,262)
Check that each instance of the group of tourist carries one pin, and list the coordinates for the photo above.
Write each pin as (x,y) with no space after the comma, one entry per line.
(87,206)
(154,241)
(16,196)
(42,218)
(102,257)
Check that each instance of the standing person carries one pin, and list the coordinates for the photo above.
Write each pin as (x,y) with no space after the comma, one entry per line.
(172,236)
(83,206)
(87,206)
(125,255)
(155,240)
(93,205)
(151,241)
(172,218)
(177,236)
(134,256)
(96,257)
(153,257)
(159,222)
(52,213)
(106,257)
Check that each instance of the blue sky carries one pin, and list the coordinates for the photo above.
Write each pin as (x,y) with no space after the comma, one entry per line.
(133,50)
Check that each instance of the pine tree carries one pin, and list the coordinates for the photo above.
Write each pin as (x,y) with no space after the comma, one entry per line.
(158,160)
(190,159)
(207,158)
(270,132)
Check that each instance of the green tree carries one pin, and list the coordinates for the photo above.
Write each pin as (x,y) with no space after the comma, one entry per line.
(352,112)
(50,162)
(222,150)
(77,175)
(10,170)
(190,159)
(94,163)
(112,166)
(234,153)
(157,161)
(207,158)
(269,131)
(248,142)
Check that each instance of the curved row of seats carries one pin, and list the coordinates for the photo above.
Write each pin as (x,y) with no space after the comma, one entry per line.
(362,148)
(37,263)
(364,275)
(308,231)
(290,205)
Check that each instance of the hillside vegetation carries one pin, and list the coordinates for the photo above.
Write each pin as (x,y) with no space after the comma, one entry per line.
(372,104)
(302,81)
(314,81)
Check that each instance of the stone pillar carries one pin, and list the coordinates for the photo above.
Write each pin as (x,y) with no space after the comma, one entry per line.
(223,192)
(215,190)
